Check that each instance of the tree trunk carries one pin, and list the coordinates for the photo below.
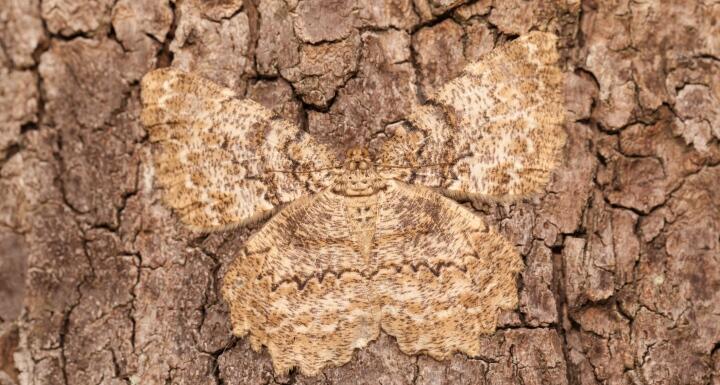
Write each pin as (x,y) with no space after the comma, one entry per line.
(100,284)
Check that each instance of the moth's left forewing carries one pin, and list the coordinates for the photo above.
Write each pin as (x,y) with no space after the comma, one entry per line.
(496,131)
(511,105)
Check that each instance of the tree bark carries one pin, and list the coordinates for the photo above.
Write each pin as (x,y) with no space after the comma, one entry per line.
(100,284)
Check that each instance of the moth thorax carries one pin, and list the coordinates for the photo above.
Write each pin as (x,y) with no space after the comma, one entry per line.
(358,176)
(362,213)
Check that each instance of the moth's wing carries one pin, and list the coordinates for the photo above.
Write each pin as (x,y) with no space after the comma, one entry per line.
(297,287)
(495,131)
(306,286)
(453,275)
(225,161)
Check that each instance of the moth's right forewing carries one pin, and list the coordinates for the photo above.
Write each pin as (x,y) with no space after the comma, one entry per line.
(224,161)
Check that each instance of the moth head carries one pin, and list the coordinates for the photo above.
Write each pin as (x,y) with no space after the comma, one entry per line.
(358,176)
(357,158)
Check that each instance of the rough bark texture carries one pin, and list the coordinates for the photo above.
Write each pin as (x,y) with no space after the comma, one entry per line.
(99,284)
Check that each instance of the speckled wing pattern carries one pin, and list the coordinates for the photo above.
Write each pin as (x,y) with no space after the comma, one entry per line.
(307,287)
(225,161)
(375,246)
(495,131)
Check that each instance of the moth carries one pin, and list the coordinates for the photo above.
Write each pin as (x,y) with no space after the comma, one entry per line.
(370,241)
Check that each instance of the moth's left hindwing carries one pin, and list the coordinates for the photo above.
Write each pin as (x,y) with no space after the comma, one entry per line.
(224,161)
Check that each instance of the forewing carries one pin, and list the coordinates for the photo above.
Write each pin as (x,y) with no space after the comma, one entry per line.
(225,161)
(495,131)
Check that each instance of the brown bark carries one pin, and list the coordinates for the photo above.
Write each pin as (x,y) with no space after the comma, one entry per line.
(622,284)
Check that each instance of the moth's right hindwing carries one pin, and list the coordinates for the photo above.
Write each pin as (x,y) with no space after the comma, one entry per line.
(225,161)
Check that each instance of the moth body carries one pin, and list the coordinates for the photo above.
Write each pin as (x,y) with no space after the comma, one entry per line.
(363,246)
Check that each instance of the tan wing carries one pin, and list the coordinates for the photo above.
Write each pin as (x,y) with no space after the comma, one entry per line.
(326,273)
(494,131)
(225,161)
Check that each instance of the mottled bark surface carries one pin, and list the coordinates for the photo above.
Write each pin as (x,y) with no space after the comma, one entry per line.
(99,284)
